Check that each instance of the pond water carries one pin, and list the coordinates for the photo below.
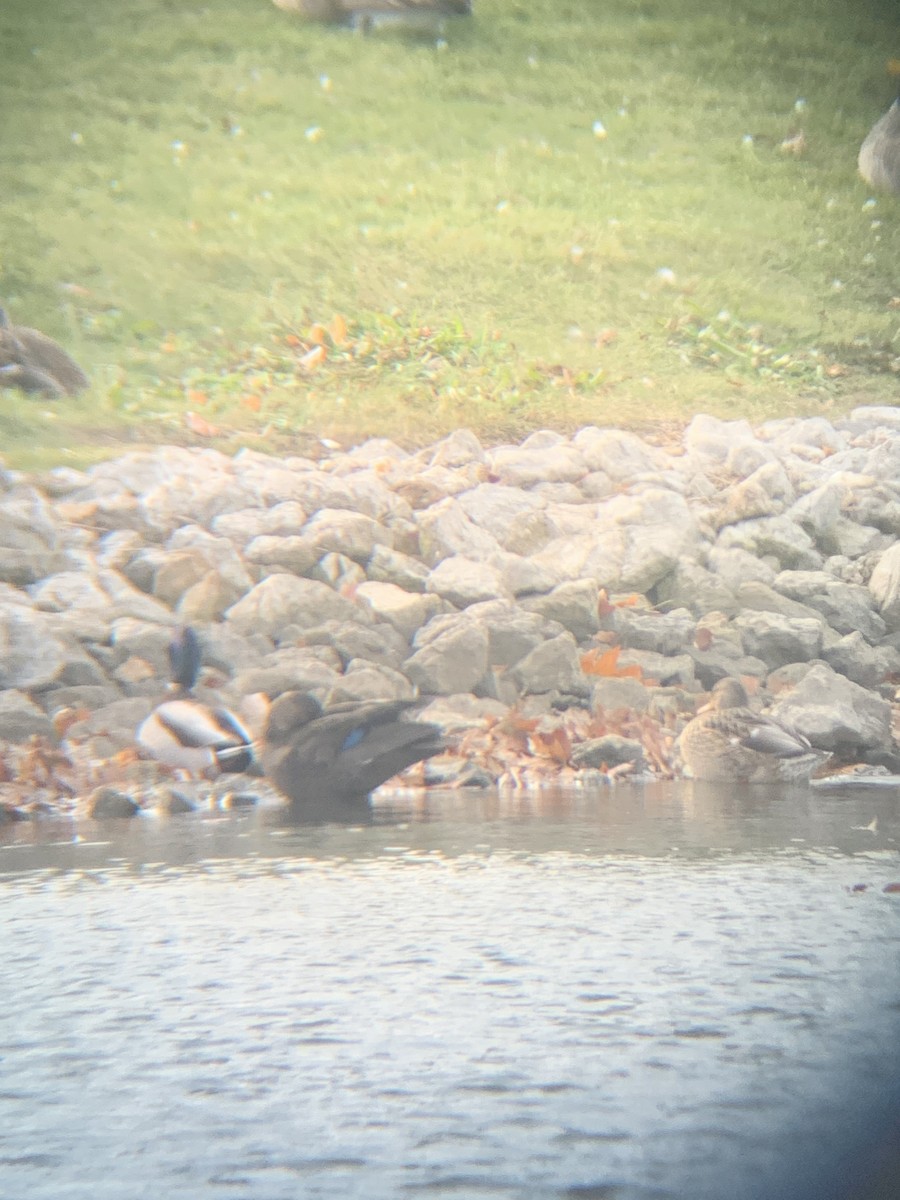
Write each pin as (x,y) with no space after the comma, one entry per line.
(660,992)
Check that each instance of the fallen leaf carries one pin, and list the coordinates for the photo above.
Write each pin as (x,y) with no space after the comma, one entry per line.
(555,745)
(197,397)
(251,401)
(313,358)
(338,330)
(197,425)
(605,663)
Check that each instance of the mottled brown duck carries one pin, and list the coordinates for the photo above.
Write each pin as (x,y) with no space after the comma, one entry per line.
(325,762)
(727,742)
(879,155)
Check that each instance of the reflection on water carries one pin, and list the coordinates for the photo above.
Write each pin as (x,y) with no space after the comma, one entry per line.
(649,992)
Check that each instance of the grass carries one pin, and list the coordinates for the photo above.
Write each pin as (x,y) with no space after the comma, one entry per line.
(251,230)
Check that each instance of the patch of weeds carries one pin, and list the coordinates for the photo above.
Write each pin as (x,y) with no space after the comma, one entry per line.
(725,343)
(443,361)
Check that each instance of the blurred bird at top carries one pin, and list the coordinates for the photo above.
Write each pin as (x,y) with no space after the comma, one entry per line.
(879,155)
(33,362)
(427,16)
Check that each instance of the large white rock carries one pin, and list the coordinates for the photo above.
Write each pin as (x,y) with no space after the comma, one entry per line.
(282,600)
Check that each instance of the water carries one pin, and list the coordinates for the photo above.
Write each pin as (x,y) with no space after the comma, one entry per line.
(667,992)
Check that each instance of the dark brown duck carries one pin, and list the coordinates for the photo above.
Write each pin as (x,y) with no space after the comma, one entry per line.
(326,762)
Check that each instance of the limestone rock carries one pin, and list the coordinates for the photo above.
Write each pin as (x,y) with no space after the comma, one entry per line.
(846,607)
(835,713)
(451,656)
(462,582)
(281,600)
(391,566)
(445,529)
(646,629)
(31,656)
(885,586)
(20,717)
(777,639)
(405,611)
(608,751)
(552,666)
(572,604)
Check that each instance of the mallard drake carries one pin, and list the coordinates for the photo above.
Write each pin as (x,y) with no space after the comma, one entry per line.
(183,732)
(35,363)
(367,14)
(327,761)
(727,742)
(879,155)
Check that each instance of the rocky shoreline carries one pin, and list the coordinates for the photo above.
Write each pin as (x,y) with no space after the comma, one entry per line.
(560,605)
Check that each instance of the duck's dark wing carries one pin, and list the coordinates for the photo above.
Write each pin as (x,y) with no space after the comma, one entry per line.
(367,761)
(771,737)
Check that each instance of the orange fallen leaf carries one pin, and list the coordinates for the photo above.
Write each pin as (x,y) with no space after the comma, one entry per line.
(313,358)
(196,397)
(605,663)
(318,334)
(124,758)
(338,330)
(197,425)
(253,402)
(703,639)
(555,744)
(291,339)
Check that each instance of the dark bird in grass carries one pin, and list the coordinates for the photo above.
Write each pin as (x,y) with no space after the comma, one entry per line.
(879,155)
(327,761)
(183,732)
(727,742)
(33,362)
(427,15)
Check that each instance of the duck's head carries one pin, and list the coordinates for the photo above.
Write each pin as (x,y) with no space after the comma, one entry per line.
(728,693)
(288,714)
(184,657)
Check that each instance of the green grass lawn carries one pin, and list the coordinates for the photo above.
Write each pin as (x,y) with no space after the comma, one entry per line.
(288,230)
